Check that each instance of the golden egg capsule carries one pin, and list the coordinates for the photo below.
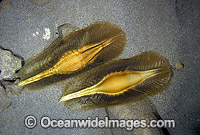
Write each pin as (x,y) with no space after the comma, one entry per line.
(114,84)
(119,82)
(101,41)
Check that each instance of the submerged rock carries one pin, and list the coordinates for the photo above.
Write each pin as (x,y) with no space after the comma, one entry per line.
(5,101)
(9,64)
(65,29)
(143,110)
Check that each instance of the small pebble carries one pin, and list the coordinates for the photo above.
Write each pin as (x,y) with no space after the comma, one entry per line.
(179,65)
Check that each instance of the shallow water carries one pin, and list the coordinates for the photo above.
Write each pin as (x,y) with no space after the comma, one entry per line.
(168,28)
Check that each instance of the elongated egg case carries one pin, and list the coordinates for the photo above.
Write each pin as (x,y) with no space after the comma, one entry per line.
(118,82)
(96,43)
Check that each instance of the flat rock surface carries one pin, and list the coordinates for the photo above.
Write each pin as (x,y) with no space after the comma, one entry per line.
(9,64)
(170,28)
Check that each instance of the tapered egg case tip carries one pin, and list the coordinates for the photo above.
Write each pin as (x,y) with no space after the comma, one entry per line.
(21,83)
(62,100)
(25,82)
(37,77)
(78,94)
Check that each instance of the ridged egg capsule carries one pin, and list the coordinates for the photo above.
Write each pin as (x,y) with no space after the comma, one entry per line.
(99,42)
(118,82)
